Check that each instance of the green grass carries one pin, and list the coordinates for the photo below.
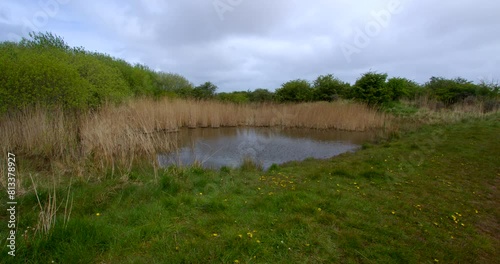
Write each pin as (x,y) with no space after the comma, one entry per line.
(430,196)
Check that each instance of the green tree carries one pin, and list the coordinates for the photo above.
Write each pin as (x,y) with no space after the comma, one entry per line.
(450,91)
(173,83)
(371,88)
(295,91)
(107,81)
(261,95)
(204,91)
(44,41)
(403,88)
(238,97)
(328,88)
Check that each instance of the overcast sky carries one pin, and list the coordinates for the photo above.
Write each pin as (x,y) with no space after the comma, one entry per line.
(248,44)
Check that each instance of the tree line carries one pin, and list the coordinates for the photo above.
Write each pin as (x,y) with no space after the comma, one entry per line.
(44,69)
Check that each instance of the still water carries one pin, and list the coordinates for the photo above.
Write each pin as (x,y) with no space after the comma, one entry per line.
(218,147)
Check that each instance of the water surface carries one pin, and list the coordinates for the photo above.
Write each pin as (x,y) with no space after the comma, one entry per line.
(215,148)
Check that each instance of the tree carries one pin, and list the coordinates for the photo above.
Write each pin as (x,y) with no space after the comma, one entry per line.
(402,88)
(204,91)
(44,40)
(328,88)
(295,91)
(371,88)
(450,91)
(238,97)
(261,95)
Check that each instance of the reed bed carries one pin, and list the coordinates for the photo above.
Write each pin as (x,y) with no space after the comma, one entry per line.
(118,135)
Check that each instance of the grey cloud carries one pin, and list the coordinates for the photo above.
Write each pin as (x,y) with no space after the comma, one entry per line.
(265,43)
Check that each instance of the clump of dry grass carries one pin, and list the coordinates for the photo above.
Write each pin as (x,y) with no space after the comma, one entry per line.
(432,111)
(48,211)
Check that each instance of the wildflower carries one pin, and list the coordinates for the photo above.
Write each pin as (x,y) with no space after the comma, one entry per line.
(236,261)
(215,235)
(258,241)
(307,245)
(249,234)
(319,209)
(240,235)
(98,214)
(393,212)
(177,248)
(477,211)
(201,193)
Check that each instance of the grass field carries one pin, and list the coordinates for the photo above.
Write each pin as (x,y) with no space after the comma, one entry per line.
(428,196)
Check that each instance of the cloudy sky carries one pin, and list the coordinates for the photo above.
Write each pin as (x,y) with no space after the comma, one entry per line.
(248,44)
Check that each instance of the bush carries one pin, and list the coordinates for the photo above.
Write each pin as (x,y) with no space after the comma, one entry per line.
(371,88)
(31,76)
(234,97)
(45,70)
(329,88)
(403,88)
(261,95)
(295,91)
(204,91)
(450,91)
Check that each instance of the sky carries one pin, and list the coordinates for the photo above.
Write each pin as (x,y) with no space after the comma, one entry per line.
(242,45)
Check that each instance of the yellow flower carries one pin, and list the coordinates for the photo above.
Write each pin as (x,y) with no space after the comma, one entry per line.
(393,212)
(215,234)
(319,209)
(98,214)
(258,241)
(249,234)
(236,261)
(240,235)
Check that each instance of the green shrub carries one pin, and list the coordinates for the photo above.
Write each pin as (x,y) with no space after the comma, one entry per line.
(295,91)
(371,88)
(329,88)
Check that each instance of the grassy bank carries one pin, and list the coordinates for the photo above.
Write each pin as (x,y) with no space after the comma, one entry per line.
(430,196)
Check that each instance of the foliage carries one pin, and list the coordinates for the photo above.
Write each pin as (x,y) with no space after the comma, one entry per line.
(204,91)
(44,70)
(329,88)
(402,88)
(371,88)
(261,95)
(174,83)
(295,91)
(29,76)
(450,91)
(234,97)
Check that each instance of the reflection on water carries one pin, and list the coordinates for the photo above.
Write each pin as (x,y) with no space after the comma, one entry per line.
(214,148)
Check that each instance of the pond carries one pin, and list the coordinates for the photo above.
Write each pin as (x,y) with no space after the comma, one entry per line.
(218,147)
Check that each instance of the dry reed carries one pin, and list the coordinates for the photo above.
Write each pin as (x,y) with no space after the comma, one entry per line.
(115,136)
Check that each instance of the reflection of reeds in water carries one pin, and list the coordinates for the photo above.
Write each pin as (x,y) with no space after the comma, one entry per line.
(118,135)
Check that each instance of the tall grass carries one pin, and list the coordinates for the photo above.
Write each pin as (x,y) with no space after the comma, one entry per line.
(116,136)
